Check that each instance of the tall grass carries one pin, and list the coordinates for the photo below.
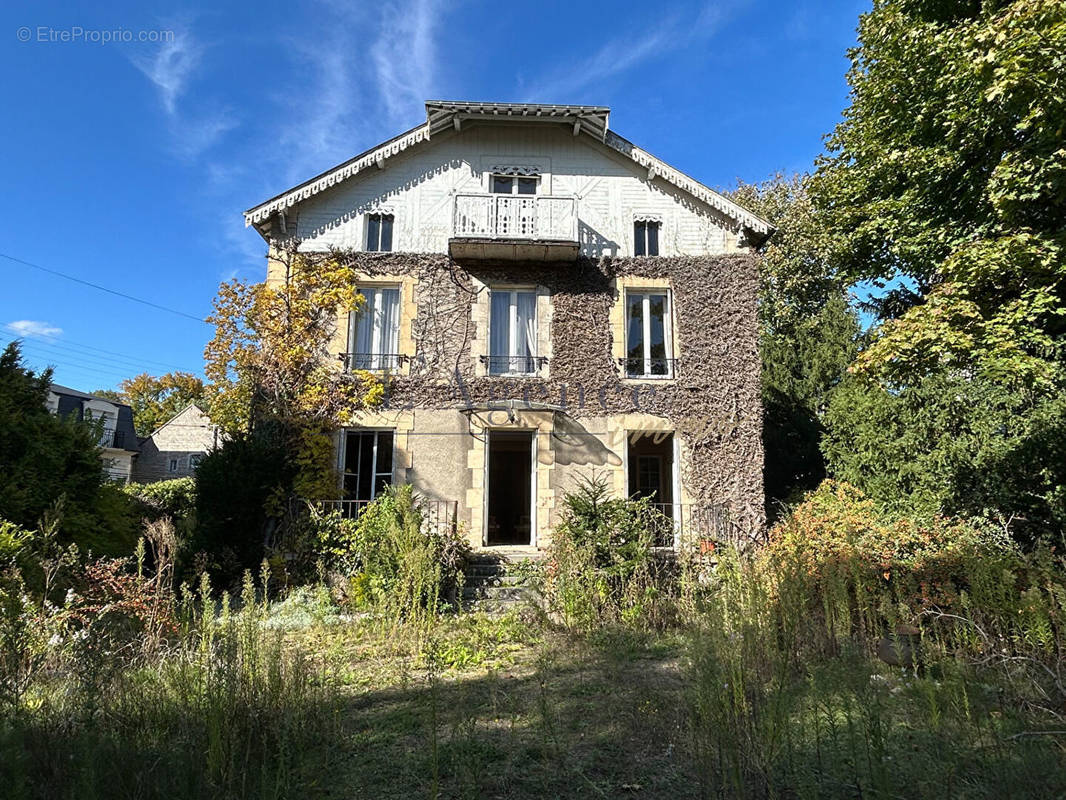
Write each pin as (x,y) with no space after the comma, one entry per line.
(789,696)
(225,709)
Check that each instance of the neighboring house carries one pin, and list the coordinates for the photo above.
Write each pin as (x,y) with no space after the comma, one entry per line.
(548,301)
(174,449)
(117,439)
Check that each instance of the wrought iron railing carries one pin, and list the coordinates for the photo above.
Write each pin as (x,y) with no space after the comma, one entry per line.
(520,216)
(436,514)
(636,367)
(702,524)
(513,365)
(110,437)
(373,362)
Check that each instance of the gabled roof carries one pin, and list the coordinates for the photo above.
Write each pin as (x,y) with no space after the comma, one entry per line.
(442,115)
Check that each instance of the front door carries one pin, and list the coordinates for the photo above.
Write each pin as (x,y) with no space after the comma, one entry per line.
(509,517)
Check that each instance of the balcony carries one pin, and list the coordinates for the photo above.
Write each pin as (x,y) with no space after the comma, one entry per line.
(514,228)
(111,438)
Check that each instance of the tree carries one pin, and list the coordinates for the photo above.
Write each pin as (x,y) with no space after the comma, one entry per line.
(808,334)
(949,171)
(269,362)
(947,181)
(155,400)
(45,458)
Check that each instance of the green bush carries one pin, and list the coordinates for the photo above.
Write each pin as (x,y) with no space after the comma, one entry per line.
(601,563)
(174,498)
(240,493)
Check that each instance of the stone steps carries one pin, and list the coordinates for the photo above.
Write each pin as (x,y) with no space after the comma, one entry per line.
(489,587)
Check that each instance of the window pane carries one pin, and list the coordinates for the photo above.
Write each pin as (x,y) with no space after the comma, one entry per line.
(499,331)
(363,343)
(502,184)
(639,229)
(527,185)
(366,466)
(635,334)
(526,332)
(389,324)
(385,453)
(386,233)
(653,238)
(373,232)
(351,453)
(657,310)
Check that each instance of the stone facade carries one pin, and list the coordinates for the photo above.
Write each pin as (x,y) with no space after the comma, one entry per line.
(171,450)
(581,407)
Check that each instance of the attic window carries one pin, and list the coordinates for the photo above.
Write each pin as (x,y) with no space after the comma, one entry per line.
(379,233)
(646,237)
(513,184)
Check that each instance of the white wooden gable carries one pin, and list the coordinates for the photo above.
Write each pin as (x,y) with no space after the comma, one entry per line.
(417,176)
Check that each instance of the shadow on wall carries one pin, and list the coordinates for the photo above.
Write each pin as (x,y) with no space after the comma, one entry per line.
(575,445)
(593,243)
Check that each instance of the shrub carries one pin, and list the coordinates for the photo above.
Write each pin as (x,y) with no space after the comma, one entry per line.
(174,498)
(601,564)
(239,491)
(406,566)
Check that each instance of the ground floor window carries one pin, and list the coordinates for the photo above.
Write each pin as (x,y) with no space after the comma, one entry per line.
(651,475)
(366,463)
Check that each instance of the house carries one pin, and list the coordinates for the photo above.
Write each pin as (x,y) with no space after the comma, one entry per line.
(174,449)
(546,301)
(118,441)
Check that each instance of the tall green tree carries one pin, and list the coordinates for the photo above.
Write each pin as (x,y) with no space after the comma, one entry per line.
(45,458)
(949,170)
(808,334)
(947,180)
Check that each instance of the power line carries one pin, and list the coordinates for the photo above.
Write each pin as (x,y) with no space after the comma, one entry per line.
(78,346)
(128,363)
(104,288)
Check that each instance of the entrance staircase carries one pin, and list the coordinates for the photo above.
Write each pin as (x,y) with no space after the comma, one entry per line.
(491,583)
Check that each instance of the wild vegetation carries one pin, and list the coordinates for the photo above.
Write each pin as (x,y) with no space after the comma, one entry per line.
(902,632)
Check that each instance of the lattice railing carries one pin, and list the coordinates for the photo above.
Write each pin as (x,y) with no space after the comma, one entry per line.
(506,216)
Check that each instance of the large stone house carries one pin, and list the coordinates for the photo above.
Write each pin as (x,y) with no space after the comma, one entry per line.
(546,301)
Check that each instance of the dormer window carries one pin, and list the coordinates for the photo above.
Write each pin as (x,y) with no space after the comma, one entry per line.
(379,233)
(646,237)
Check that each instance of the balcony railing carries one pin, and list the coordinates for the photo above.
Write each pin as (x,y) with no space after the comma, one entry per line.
(373,362)
(520,216)
(109,437)
(437,515)
(513,365)
(704,524)
(637,367)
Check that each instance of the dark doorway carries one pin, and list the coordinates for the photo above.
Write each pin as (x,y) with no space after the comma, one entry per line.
(651,474)
(651,467)
(509,490)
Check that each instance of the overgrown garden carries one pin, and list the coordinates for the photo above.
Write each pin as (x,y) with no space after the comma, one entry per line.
(901,634)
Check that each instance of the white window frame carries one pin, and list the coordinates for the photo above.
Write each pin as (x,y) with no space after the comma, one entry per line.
(645,334)
(344,472)
(512,331)
(376,332)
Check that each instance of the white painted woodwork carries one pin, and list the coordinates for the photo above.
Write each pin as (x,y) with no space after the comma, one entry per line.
(429,187)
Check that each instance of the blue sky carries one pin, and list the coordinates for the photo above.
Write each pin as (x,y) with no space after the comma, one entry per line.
(127,163)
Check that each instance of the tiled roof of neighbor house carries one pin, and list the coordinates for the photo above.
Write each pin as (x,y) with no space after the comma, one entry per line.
(443,114)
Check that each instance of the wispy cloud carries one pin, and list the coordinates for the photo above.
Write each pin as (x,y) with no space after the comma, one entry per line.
(405,56)
(358,85)
(172,68)
(623,53)
(32,327)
